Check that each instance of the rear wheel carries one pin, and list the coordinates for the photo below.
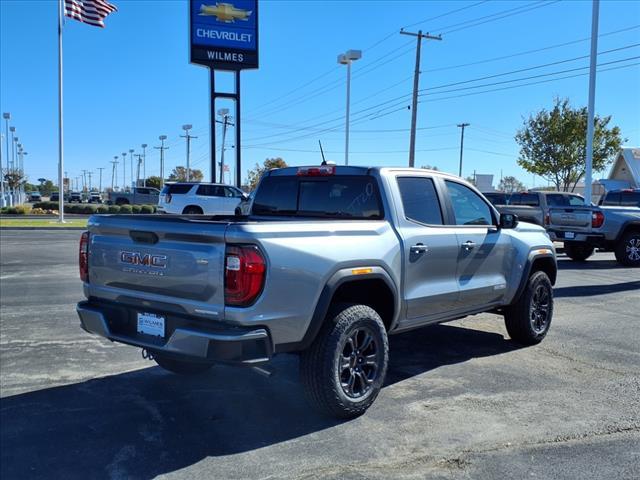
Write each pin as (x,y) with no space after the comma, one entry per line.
(344,369)
(529,318)
(181,367)
(192,210)
(578,252)
(628,250)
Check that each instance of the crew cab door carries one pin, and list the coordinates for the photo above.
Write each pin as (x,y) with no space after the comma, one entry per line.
(485,253)
(429,250)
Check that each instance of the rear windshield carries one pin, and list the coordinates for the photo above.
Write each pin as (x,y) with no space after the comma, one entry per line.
(525,199)
(497,198)
(560,200)
(624,199)
(339,196)
(177,188)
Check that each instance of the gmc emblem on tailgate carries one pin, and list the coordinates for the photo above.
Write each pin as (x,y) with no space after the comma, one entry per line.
(147,260)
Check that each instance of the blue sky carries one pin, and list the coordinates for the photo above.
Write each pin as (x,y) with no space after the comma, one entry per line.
(132,81)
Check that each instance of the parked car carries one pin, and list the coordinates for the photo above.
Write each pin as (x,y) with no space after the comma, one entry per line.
(244,208)
(35,197)
(497,198)
(54,197)
(75,197)
(533,207)
(200,198)
(139,196)
(627,197)
(330,262)
(95,197)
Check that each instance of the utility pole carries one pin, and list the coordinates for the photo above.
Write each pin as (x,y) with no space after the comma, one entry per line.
(416,77)
(224,113)
(7,117)
(162,148)
(131,163)
(114,173)
(89,175)
(124,171)
(462,126)
(84,179)
(144,164)
(100,184)
(186,128)
(592,100)
(138,168)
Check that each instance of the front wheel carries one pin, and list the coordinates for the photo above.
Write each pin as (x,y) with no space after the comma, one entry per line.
(578,252)
(529,318)
(628,250)
(181,367)
(344,369)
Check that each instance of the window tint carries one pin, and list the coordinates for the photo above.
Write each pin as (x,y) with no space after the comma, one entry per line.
(468,206)
(630,199)
(526,199)
(210,191)
(560,200)
(419,200)
(177,188)
(612,198)
(497,198)
(335,196)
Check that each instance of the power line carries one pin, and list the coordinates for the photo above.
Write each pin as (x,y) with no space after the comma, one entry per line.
(445,14)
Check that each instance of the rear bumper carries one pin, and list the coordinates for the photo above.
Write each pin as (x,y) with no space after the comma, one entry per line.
(185,337)
(590,238)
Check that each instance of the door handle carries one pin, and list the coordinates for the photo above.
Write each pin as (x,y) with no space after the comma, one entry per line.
(419,248)
(468,245)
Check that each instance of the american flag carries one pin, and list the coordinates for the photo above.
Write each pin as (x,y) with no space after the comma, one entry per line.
(92,12)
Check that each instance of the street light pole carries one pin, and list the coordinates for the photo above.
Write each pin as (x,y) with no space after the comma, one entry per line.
(162,148)
(144,164)
(124,171)
(7,117)
(100,184)
(131,164)
(592,99)
(114,173)
(186,128)
(224,113)
(347,59)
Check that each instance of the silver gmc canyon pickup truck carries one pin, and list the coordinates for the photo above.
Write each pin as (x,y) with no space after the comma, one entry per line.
(329,262)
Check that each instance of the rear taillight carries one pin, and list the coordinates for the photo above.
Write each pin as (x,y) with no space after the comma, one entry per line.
(243,275)
(83,258)
(597,219)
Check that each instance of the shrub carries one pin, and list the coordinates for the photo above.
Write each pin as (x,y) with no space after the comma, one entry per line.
(22,209)
(89,209)
(10,210)
(38,211)
(125,209)
(102,209)
(146,209)
(114,209)
(136,208)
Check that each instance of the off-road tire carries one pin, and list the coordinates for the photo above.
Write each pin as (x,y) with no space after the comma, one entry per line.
(192,211)
(578,252)
(181,367)
(625,253)
(520,318)
(320,370)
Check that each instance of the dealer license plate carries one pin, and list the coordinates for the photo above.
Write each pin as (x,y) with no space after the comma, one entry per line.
(151,324)
(569,235)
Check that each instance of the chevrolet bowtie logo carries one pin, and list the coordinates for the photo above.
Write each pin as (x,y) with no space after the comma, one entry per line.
(225,12)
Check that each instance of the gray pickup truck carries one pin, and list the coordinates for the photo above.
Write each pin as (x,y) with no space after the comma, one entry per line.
(328,263)
(139,196)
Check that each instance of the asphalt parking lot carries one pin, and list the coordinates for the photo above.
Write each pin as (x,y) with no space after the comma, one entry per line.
(461,400)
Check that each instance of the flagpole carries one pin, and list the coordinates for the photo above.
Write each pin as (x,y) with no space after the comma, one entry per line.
(60,136)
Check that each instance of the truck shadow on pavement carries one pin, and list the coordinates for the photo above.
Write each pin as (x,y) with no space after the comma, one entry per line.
(148,422)
(593,290)
(589,264)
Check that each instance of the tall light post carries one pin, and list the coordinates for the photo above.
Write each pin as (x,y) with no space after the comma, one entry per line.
(114,173)
(124,171)
(13,145)
(131,163)
(347,59)
(7,117)
(144,164)
(162,148)
(224,113)
(186,128)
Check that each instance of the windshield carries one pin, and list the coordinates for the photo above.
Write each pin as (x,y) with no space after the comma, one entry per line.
(337,196)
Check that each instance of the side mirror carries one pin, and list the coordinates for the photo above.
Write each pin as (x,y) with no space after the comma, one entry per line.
(508,220)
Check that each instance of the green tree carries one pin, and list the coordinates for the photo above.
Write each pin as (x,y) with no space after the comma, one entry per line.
(511,184)
(179,174)
(553,144)
(14,179)
(255,174)
(154,182)
(46,187)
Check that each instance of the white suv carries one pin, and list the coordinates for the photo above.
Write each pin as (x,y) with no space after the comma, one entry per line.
(199,198)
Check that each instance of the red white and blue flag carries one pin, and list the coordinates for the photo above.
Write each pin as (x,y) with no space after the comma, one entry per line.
(92,12)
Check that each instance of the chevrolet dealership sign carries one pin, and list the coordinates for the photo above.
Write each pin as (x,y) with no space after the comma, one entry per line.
(224,35)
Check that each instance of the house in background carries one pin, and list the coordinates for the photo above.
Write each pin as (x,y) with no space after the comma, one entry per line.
(625,171)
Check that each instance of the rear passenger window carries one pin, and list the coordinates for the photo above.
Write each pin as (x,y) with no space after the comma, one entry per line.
(468,207)
(630,199)
(419,200)
(210,191)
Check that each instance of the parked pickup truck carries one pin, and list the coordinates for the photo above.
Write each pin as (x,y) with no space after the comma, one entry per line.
(582,229)
(139,196)
(329,262)
(533,207)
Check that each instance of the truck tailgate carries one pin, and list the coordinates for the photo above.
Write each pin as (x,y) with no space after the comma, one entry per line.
(163,258)
(577,219)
